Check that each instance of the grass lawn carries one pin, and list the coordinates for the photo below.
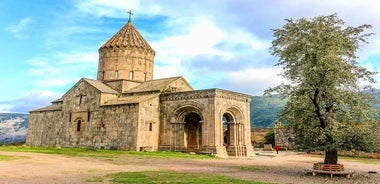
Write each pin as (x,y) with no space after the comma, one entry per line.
(100,153)
(6,158)
(175,177)
(361,160)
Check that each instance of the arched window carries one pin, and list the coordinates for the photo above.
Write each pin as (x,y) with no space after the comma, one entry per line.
(79,124)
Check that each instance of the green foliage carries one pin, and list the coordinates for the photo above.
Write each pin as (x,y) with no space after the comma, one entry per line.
(269,137)
(326,107)
(174,177)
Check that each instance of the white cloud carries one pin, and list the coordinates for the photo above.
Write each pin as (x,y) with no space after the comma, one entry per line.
(55,82)
(77,58)
(255,80)
(38,61)
(30,101)
(61,69)
(19,29)
(4,108)
(107,8)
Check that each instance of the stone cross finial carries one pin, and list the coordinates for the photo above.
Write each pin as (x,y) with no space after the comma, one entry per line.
(130,15)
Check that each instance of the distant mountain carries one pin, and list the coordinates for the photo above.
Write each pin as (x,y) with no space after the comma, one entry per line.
(13,127)
(265,110)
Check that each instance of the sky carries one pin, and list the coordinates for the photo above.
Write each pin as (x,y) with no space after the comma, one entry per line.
(49,45)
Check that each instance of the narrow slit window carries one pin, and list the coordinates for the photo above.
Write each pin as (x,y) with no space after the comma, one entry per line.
(88,116)
(79,124)
(116,74)
(80,99)
(150,126)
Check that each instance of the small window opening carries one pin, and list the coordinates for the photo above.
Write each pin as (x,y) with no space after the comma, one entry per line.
(150,126)
(70,117)
(79,124)
(116,74)
(144,76)
(88,116)
(131,75)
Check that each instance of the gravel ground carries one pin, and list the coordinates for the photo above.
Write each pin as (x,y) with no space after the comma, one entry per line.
(286,167)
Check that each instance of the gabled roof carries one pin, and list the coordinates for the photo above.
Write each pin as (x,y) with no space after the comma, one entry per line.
(158,85)
(54,107)
(127,36)
(57,100)
(99,85)
(131,99)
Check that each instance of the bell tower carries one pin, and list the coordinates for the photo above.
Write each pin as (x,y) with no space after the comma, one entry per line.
(126,56)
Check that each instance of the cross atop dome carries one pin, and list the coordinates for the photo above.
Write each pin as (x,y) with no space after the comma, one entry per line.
(130,15)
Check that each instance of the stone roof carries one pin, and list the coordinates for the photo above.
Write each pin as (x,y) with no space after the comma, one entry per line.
(99,85)
(131,99)
(158,85)
(127,36)
(53,107)
(58,100)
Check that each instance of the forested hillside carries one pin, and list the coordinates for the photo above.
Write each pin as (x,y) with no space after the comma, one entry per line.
(265,109)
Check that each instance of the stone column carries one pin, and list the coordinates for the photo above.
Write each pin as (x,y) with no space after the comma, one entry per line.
(177,143)
(233,138)
(203,135)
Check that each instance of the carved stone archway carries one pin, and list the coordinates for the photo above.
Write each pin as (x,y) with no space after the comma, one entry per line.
(233,131)
(187,128)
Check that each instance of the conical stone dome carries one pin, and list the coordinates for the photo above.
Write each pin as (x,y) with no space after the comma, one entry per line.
(127,36)
(126,56)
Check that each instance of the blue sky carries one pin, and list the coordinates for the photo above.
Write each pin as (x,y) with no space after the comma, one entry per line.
(48,45)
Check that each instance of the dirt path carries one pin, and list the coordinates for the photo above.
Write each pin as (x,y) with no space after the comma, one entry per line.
(284,168)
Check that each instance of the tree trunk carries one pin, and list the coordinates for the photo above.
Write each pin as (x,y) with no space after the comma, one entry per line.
(331,157)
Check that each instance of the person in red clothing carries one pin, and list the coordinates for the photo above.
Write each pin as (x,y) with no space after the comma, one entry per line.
(277,147)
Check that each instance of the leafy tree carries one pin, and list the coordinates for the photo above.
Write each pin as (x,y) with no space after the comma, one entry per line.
(326,107)
(269,137)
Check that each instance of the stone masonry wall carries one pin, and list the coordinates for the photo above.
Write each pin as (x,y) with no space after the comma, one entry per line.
(43,128)
(148,125)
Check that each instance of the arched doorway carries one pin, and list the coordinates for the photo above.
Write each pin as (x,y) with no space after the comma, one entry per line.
(192,131)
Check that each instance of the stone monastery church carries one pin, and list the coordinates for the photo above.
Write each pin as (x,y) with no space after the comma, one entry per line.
(125,108)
